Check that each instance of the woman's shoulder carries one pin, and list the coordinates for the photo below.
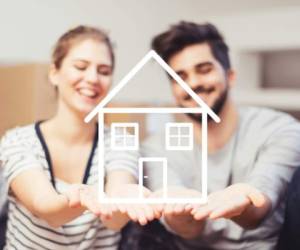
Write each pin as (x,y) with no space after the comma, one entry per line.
(19,134)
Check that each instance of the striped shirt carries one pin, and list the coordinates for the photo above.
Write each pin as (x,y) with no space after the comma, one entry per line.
(24,148)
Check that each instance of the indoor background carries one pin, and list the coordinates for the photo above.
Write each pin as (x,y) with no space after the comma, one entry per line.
(263,36)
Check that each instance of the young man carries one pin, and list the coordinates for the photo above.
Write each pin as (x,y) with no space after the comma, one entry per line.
(252,152)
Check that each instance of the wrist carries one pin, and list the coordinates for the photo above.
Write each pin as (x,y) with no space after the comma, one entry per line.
(184,225)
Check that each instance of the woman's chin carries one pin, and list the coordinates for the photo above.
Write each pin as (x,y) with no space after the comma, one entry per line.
(83,110)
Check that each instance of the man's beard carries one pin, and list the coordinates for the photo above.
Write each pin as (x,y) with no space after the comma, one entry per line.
(216,107)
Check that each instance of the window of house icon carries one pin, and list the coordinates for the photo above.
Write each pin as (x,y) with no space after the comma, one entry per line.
(179,136)
(124,136)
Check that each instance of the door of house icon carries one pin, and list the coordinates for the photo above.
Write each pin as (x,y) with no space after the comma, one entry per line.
(143,176)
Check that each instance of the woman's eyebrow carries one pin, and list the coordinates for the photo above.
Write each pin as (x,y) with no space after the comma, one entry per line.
(87,62)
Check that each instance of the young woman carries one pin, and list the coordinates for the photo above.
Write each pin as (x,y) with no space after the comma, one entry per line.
(51,166)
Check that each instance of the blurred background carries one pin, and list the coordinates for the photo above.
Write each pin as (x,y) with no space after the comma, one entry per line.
(263,36)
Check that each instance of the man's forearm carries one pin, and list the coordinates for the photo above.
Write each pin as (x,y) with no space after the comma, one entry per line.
(185,225)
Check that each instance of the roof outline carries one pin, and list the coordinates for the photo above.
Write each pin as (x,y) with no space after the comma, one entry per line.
(135,70)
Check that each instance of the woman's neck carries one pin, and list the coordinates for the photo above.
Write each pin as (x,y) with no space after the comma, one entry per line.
(70,126)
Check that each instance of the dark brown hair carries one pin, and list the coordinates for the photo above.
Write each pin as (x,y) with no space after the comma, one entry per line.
(75,35)
(184,34)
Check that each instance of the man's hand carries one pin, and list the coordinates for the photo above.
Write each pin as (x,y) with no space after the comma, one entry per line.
(142,213)
(236,201)
(178,216)
(175,192)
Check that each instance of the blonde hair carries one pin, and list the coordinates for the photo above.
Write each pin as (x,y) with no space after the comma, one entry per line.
(75,35)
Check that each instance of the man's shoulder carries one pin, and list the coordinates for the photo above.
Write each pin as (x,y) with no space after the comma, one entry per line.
(265,121)
(265,116)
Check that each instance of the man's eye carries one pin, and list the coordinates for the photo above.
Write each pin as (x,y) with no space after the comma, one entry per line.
(182,76)
(204,69)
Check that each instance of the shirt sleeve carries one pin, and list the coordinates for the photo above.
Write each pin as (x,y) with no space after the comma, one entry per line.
(16,155)
(152,148)
(3,192)
(121,159)
(276,162)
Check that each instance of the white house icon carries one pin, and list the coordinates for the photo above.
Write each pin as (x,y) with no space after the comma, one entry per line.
(132,142)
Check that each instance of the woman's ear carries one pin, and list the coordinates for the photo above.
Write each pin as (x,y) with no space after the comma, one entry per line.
(231,78)
(52,75)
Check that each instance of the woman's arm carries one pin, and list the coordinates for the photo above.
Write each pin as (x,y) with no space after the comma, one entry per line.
(33,189)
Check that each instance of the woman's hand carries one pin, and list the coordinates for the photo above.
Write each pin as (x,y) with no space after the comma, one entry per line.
(87,196)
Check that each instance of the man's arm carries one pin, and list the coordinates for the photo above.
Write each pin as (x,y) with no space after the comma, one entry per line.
(240,202)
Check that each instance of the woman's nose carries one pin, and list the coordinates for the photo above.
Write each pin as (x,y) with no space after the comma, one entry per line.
(92,76)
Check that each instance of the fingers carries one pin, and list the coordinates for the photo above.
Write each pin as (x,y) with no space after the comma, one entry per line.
(201,212)
(179,209)
(158,210)
(88,199)
(257,198)
(141,213)
(229,203)
(230,208)
(73,195)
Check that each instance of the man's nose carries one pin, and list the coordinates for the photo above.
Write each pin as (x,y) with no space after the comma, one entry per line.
(193,81)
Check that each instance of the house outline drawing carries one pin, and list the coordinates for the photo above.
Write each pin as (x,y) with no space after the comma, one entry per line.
(101,110)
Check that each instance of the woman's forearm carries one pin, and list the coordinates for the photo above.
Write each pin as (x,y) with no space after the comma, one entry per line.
(55,209)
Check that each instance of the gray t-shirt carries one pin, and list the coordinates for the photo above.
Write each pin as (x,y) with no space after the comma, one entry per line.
(264,152)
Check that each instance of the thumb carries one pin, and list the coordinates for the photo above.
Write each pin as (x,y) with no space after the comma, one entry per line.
(156,194)
(74,196)
(257,198)
(147,192)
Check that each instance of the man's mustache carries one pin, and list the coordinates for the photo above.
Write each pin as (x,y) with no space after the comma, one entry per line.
(199,90)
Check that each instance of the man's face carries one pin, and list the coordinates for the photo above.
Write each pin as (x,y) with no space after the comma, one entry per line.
(197,66)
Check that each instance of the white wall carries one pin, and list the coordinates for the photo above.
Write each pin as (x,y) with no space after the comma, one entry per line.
(29,29)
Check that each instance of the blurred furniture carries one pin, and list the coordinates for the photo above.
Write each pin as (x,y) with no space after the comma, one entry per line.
(25,95)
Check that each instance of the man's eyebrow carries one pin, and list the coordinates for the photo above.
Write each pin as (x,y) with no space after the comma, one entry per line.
(198,65)
(202,64)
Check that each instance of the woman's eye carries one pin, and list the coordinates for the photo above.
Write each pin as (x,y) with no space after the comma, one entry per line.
(105,72)
(80,67)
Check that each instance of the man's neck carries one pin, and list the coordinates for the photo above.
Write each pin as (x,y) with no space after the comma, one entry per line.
(219,134)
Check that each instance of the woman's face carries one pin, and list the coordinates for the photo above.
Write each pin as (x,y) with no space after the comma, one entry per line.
(85,76)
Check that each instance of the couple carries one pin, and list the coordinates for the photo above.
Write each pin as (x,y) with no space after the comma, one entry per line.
(51,166)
